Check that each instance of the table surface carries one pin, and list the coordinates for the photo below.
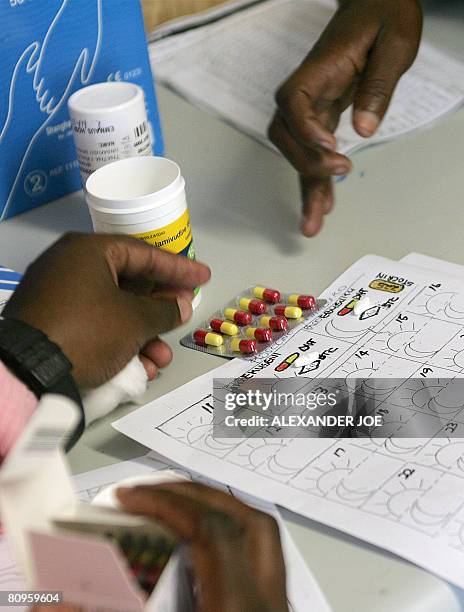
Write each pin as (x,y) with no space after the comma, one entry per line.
(402,196)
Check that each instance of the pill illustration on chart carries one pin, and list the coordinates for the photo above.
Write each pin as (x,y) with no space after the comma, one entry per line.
(347,309)
(241,317)
(203,337)
(224,327)
(361,305)
(261,334)
(274,323)
(373,311)
(307,302)
(289,312)
(256,307)
(287,362)
(239,345)
(268,295)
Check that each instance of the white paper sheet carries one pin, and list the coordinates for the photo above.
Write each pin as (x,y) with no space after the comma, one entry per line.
(405,495)
(233,68)
(303,592)
(432,263)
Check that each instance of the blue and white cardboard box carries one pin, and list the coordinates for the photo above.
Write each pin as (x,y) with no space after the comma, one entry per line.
(9,280)
(48,50)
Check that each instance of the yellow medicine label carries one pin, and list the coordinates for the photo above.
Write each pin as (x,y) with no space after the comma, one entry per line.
(176,237)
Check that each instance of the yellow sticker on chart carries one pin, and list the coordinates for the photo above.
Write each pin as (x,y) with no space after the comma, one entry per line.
(388,286)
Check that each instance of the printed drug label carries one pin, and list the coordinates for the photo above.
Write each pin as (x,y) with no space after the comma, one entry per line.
(109,122)
(145,198)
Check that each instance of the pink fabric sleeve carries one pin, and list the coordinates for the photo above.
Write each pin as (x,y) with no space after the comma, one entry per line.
(17,403)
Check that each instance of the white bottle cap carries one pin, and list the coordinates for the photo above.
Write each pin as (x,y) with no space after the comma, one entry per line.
(109,97)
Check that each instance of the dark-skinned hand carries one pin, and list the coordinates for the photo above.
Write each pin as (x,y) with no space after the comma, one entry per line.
(235,550)
(104,299)
(359,59)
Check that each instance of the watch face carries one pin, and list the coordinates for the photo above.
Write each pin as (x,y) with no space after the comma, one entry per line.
(35,359)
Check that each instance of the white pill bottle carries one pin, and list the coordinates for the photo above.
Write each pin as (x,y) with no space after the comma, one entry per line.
(109,122)
(143,197)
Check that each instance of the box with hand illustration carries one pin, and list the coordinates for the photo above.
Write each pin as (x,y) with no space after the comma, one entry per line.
(49,50)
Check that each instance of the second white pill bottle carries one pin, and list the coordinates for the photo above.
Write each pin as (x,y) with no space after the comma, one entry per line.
(109,122)
(143,197)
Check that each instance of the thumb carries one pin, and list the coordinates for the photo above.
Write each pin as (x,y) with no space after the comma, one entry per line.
(388,61)
(161,313)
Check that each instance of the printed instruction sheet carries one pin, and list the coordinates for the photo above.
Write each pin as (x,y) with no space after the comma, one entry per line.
(403,494)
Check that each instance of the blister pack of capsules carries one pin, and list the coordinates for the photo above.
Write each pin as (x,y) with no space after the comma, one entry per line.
(251,322)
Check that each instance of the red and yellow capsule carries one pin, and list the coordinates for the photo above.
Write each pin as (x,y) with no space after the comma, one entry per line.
(286,363)
(224,327)
(261,334)
(307,302)
(290,312)
(257,307)
(239,345)
(241,317)
(268,295)
(206,338)
(275,323)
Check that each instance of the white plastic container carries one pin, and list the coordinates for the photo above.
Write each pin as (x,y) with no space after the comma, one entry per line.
(143,197)
(109,122)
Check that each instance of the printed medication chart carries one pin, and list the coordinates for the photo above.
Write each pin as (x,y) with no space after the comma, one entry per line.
(405,495)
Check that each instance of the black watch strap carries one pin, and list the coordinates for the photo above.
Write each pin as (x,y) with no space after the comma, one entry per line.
(39,363)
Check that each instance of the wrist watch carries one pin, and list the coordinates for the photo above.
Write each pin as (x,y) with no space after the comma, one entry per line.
(40,364)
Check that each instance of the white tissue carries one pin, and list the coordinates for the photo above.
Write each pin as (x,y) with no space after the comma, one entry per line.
(128,385)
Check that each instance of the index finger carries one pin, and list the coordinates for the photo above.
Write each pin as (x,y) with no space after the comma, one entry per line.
(297,105)
(130,257)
